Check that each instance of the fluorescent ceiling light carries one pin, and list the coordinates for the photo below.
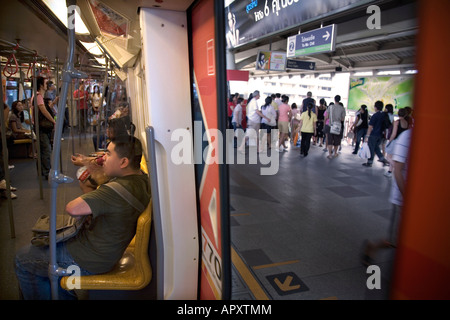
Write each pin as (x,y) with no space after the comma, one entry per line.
(102,61)
(93,48)
(389,73)
(361,74)
(59,9)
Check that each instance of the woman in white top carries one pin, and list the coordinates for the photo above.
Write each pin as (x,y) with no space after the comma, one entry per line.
(96,99)
(268,122)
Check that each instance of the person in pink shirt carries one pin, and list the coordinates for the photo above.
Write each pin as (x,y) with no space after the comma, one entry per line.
(81,96)
(284,118)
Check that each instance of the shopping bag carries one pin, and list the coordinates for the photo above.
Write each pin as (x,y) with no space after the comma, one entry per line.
(364,152)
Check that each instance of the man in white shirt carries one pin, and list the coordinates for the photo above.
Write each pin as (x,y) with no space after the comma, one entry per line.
(254,116)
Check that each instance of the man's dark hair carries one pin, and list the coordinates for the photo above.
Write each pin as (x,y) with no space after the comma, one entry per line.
(337,98)
(379,105)
(129,147)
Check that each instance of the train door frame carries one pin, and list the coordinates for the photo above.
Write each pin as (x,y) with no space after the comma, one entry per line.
(167,94)
(223,183)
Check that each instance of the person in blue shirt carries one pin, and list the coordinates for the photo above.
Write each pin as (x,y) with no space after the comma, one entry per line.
(374,135)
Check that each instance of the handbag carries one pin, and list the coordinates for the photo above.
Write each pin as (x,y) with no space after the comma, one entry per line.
(335,127)
(66,228)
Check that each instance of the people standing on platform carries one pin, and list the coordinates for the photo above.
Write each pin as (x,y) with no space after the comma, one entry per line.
(402,124)
(389,115)
(295,120)
(375,135)
(308,128)
(360,125)
(267,124)
(307,101)
(326,127)
(236,118)
(320,136)
(284,118)
(254,116)
(336,115)
(232,101)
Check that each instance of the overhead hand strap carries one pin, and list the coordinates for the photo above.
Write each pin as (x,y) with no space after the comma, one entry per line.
(7,71)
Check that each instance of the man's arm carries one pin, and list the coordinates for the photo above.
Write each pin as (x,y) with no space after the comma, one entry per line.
(369,131)
(78,207)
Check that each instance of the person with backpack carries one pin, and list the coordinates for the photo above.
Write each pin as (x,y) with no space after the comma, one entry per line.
(377,126)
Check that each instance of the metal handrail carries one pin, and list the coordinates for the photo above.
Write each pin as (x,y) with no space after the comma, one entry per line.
(153,175)
(55,177)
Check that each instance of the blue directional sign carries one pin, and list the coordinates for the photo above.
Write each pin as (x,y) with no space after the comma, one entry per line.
(302,65)
(312,42)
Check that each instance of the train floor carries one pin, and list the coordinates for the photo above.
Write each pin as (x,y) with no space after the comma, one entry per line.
(28,206)
(299,234)
(295,235)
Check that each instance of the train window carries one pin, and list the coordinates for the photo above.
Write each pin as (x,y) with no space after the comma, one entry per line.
(12,92)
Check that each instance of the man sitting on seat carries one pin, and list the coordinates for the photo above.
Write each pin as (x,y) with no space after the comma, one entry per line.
(100,243)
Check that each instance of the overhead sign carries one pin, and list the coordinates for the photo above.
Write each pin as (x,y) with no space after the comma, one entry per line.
(271,60)
(301,65)
(252,20)
(312,42)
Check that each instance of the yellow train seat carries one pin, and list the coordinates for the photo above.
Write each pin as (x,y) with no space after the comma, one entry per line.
(133,271)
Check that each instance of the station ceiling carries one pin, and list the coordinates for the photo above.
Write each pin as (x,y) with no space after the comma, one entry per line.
(392,47)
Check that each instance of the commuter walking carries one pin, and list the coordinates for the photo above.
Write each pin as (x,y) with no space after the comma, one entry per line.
(337,117)
(402,124)
(375,134)
(400,163)
(236,120)
(319,136)
(361,125)
(267,124)
(254,116)
(283,122)
(308,128)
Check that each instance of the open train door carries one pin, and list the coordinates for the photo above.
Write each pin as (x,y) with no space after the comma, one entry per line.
(184,76)
(422,269)
(209,88)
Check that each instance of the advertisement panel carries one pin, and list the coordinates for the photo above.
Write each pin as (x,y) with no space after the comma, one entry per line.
(396,90)
(212,193)
(271,60)
(248,20)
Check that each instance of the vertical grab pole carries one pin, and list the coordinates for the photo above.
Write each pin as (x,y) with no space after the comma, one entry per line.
(5,164)
(38,136)
(71,117)
(55,177)
(33,147)
(153,175)
(64,110)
